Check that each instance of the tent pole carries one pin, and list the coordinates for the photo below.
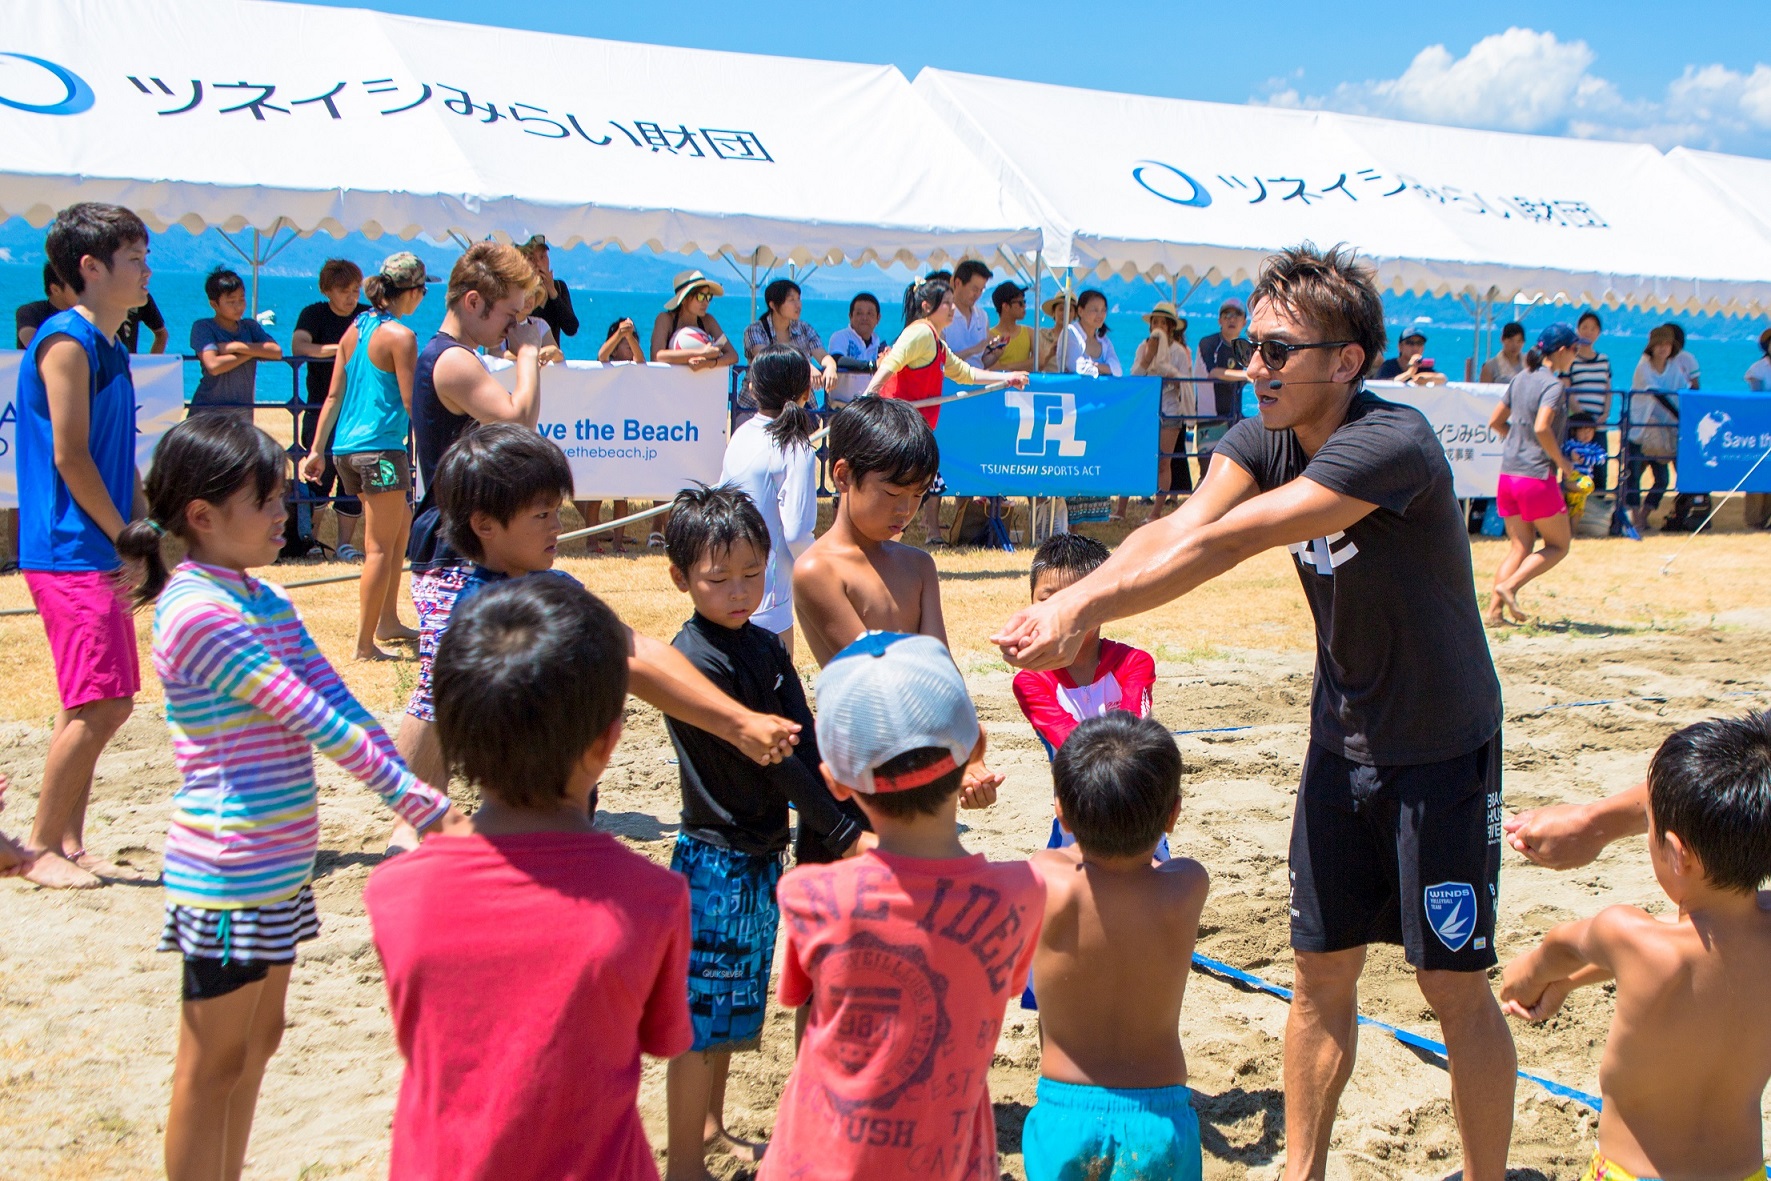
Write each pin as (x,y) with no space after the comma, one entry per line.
(257,261)
(1038,270)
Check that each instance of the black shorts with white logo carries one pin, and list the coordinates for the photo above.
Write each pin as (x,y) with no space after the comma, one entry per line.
(1407,855)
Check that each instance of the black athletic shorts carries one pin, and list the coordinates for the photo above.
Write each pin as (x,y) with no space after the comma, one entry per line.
(1407,855)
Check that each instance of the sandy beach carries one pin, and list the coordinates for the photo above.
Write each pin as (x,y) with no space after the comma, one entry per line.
(88,1010)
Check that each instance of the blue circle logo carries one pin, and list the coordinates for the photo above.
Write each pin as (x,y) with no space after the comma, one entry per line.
(77,99)
(1197,197)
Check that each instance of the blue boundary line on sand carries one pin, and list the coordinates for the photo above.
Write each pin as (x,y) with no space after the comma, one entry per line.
(1415,1040)
(1214,730)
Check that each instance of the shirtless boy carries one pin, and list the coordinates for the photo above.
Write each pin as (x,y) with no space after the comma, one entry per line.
(858,577)
(1689,1052)
(1112,963)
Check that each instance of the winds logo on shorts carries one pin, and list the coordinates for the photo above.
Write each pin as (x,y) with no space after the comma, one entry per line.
(1451,912)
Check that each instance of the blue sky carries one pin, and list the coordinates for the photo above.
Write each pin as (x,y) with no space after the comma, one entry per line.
(1689,73)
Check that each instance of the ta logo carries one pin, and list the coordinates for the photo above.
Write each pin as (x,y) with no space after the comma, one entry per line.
(1321,555)
(1451,912)
(1046,418)
(41,87)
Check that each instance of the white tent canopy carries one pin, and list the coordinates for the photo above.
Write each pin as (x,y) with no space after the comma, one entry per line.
(1743,180)
(1166,187)
(268,115)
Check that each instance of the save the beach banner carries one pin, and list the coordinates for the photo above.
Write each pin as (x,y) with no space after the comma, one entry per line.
(1721,439)
(644,431)
(1063,435)
(159,403)
(1459,414)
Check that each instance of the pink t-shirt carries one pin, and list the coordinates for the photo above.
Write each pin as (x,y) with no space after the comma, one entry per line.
(525,975)
(1125,678)
(908,963)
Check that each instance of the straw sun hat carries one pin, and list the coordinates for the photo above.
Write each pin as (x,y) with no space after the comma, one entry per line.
(1165,308)
(1054,307)
(685,283)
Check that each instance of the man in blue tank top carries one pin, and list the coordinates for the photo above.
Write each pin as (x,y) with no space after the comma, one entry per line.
(78,487)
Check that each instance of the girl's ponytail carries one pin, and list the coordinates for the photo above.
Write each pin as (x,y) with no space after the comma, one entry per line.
(208,458)
(379,290)
(1533,360)
(781,379)
(139,547)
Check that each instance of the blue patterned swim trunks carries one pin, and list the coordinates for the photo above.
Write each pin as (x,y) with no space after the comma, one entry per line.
(733,917)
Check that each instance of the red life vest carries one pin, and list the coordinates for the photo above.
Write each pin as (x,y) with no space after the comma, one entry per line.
(918,383)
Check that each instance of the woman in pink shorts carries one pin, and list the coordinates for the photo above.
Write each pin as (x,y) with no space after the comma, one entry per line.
(1532,418)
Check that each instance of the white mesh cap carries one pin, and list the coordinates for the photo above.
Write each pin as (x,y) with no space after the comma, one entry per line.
(888,694)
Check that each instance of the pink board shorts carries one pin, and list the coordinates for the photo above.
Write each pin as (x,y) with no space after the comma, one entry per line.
(1531,497)
(91,634)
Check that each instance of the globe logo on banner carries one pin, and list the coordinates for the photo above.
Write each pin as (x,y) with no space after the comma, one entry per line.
(1709,430)
(41,87)
(1451,912)
(1169,183)
(1045,417)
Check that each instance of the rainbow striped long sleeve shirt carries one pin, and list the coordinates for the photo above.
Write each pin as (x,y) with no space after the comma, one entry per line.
(249,698)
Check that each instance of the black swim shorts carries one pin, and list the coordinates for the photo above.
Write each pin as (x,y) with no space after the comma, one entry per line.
(1407,855)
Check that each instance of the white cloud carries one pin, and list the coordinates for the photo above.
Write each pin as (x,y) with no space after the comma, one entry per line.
(1525,80)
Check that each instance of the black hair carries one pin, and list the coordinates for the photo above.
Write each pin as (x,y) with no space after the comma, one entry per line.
(1765,342)
(1006,293)
(1118,777)
(1590,315)
(614,326)
(775,294)
(1067,553)
(968,270)
(1711,784)
(93,229)
(1082,302)
(1678,332)
(1511,329)
(1331,291)
(885,435)
(51,278)
(209,457)
(926,800)
(1534,359)
(529,674)
(939,277)
(1582,418)
(922,299)
(864,297)
(220,282)
(499,469)
(780,378)
(707,520)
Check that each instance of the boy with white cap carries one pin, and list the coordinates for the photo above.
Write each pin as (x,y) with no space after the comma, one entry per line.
(908,952)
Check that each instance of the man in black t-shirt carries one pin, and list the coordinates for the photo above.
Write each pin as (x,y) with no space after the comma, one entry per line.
(318,329)
(1223,355)
(557,311)
(28,317)
(1396,838)
(146,316)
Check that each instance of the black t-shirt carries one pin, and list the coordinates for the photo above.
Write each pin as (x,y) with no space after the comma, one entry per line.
(728,799)
(1217,353)
(30,315)
(1390,370)
(326,326)
(148,314)
(1403,672)
(558,313)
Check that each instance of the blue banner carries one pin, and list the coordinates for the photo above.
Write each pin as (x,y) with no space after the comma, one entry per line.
(1064,435)
(1721,437)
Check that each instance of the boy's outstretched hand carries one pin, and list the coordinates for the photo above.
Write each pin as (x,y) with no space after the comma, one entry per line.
(766,739)
(1531,1000)
(977,788)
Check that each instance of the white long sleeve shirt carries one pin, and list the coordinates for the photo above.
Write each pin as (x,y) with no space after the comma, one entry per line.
(783,484)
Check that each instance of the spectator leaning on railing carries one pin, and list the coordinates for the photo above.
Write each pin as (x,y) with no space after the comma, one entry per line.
(685,332)
(229,346)
(781,324)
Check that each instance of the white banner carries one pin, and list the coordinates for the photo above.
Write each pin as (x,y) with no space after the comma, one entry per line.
(645,431)
(1459,412)
(159,403)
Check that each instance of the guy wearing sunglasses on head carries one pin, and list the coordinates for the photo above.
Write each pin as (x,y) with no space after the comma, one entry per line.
(1396,838)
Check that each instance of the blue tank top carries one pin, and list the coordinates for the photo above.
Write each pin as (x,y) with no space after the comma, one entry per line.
(373,417)
(54,532)
(434,427)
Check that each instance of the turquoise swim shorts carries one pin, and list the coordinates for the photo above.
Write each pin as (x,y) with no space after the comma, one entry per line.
(1078,1133)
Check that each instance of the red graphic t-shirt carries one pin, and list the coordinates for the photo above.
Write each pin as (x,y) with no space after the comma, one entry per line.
(1125,678)
(908,963)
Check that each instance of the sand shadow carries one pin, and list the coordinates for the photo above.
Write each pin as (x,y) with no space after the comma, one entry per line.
(330,861)
(1010,1119)
(1236,1106)
(635,826)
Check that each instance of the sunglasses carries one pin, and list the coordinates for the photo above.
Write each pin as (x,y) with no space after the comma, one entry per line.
(1277,352)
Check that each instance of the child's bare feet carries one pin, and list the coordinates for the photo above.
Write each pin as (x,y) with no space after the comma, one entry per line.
(748,1151)
(397,634)
(48,868)
(374,653)
(102,869)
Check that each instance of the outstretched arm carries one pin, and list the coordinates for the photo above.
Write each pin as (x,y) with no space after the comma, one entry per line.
(661,676)
(1534,986)
(1162,561)
(1568,836)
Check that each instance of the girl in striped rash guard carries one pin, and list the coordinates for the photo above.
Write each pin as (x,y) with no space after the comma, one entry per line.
(248,698)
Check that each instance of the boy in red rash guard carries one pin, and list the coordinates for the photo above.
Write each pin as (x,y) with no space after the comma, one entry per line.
(1105,676)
